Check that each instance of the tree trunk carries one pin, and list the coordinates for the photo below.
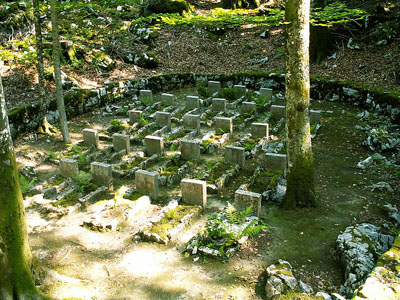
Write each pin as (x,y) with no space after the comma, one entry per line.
(44,126)
(320,40)
(300,176)
(57,73)
(15,255)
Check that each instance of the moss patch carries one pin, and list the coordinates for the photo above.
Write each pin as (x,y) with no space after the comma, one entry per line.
(69,200)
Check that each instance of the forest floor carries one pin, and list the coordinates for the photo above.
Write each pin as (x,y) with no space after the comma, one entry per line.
(86,264)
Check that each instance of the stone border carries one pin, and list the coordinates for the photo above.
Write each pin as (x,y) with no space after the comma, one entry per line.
(79,101)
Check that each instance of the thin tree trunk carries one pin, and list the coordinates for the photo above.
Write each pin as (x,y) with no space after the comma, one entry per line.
(15,255)
(300,176)
(320,39)
(39,50)
(57,73)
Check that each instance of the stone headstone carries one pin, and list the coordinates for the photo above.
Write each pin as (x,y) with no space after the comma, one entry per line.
(192,102)
(163,119)
(315,116)
(218,104)
(248,107)
(241,89)
(214,87)
(101,173)
(194,192)
(69,167)
(91,137)
(190,150)
(191,122)
(154,145)
(121,142)
(146,96)
(275,162)
(134,116)
(223,125)
(278,112)
(147,183)
(266,93)
(168,99)
(260,130)
(244,199)
(235,155)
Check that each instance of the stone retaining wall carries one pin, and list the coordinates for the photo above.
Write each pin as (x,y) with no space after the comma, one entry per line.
(79,101)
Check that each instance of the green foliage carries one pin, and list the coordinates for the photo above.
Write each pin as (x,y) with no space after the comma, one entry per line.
(68,200)
(335,13)
(116,126)
(83,179)
(225,231)
(230,93)
(25,184)
(172,148)
(203,92)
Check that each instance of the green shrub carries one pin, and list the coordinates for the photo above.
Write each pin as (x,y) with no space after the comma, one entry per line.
(230,93)
(203,92)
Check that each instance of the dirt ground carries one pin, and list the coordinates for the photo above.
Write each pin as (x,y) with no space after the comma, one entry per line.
(83,264)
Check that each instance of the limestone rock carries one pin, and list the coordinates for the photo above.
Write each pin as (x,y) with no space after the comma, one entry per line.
(358,248)
(280,279)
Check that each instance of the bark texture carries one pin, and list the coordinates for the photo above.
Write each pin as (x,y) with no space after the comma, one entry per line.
(57,73)
(16,281)
(300,176)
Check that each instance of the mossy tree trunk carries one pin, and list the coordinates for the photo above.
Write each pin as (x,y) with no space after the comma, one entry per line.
(57,73)
(300,176)
(15,255)
(44,126)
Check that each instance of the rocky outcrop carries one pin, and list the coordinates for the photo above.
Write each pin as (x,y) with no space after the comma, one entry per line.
(358,248)
(281,280)
(384,280)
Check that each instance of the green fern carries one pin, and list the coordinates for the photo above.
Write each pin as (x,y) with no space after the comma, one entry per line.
(25,184)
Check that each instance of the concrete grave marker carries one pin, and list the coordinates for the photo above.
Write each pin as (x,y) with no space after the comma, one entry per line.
(244,199)
(194,192)
(69,167)
(121,142)
(191,122)
(101,173)
(192,102)
(266,93)
(91,137)
(134,116)
(241,89)
(218,104)
(223,125)
(190,150)
(278,112)
(260,130)
(154,145)
(147,183)
(163,119)
(235,155)
(275,162)
(146,96)
(168,99)
(214,87)
(248,107)
(315,116)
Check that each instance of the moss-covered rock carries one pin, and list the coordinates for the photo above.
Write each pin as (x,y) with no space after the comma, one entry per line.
(165,6)
(146,60)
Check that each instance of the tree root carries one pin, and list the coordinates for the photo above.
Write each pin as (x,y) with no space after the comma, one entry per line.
(47,129)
